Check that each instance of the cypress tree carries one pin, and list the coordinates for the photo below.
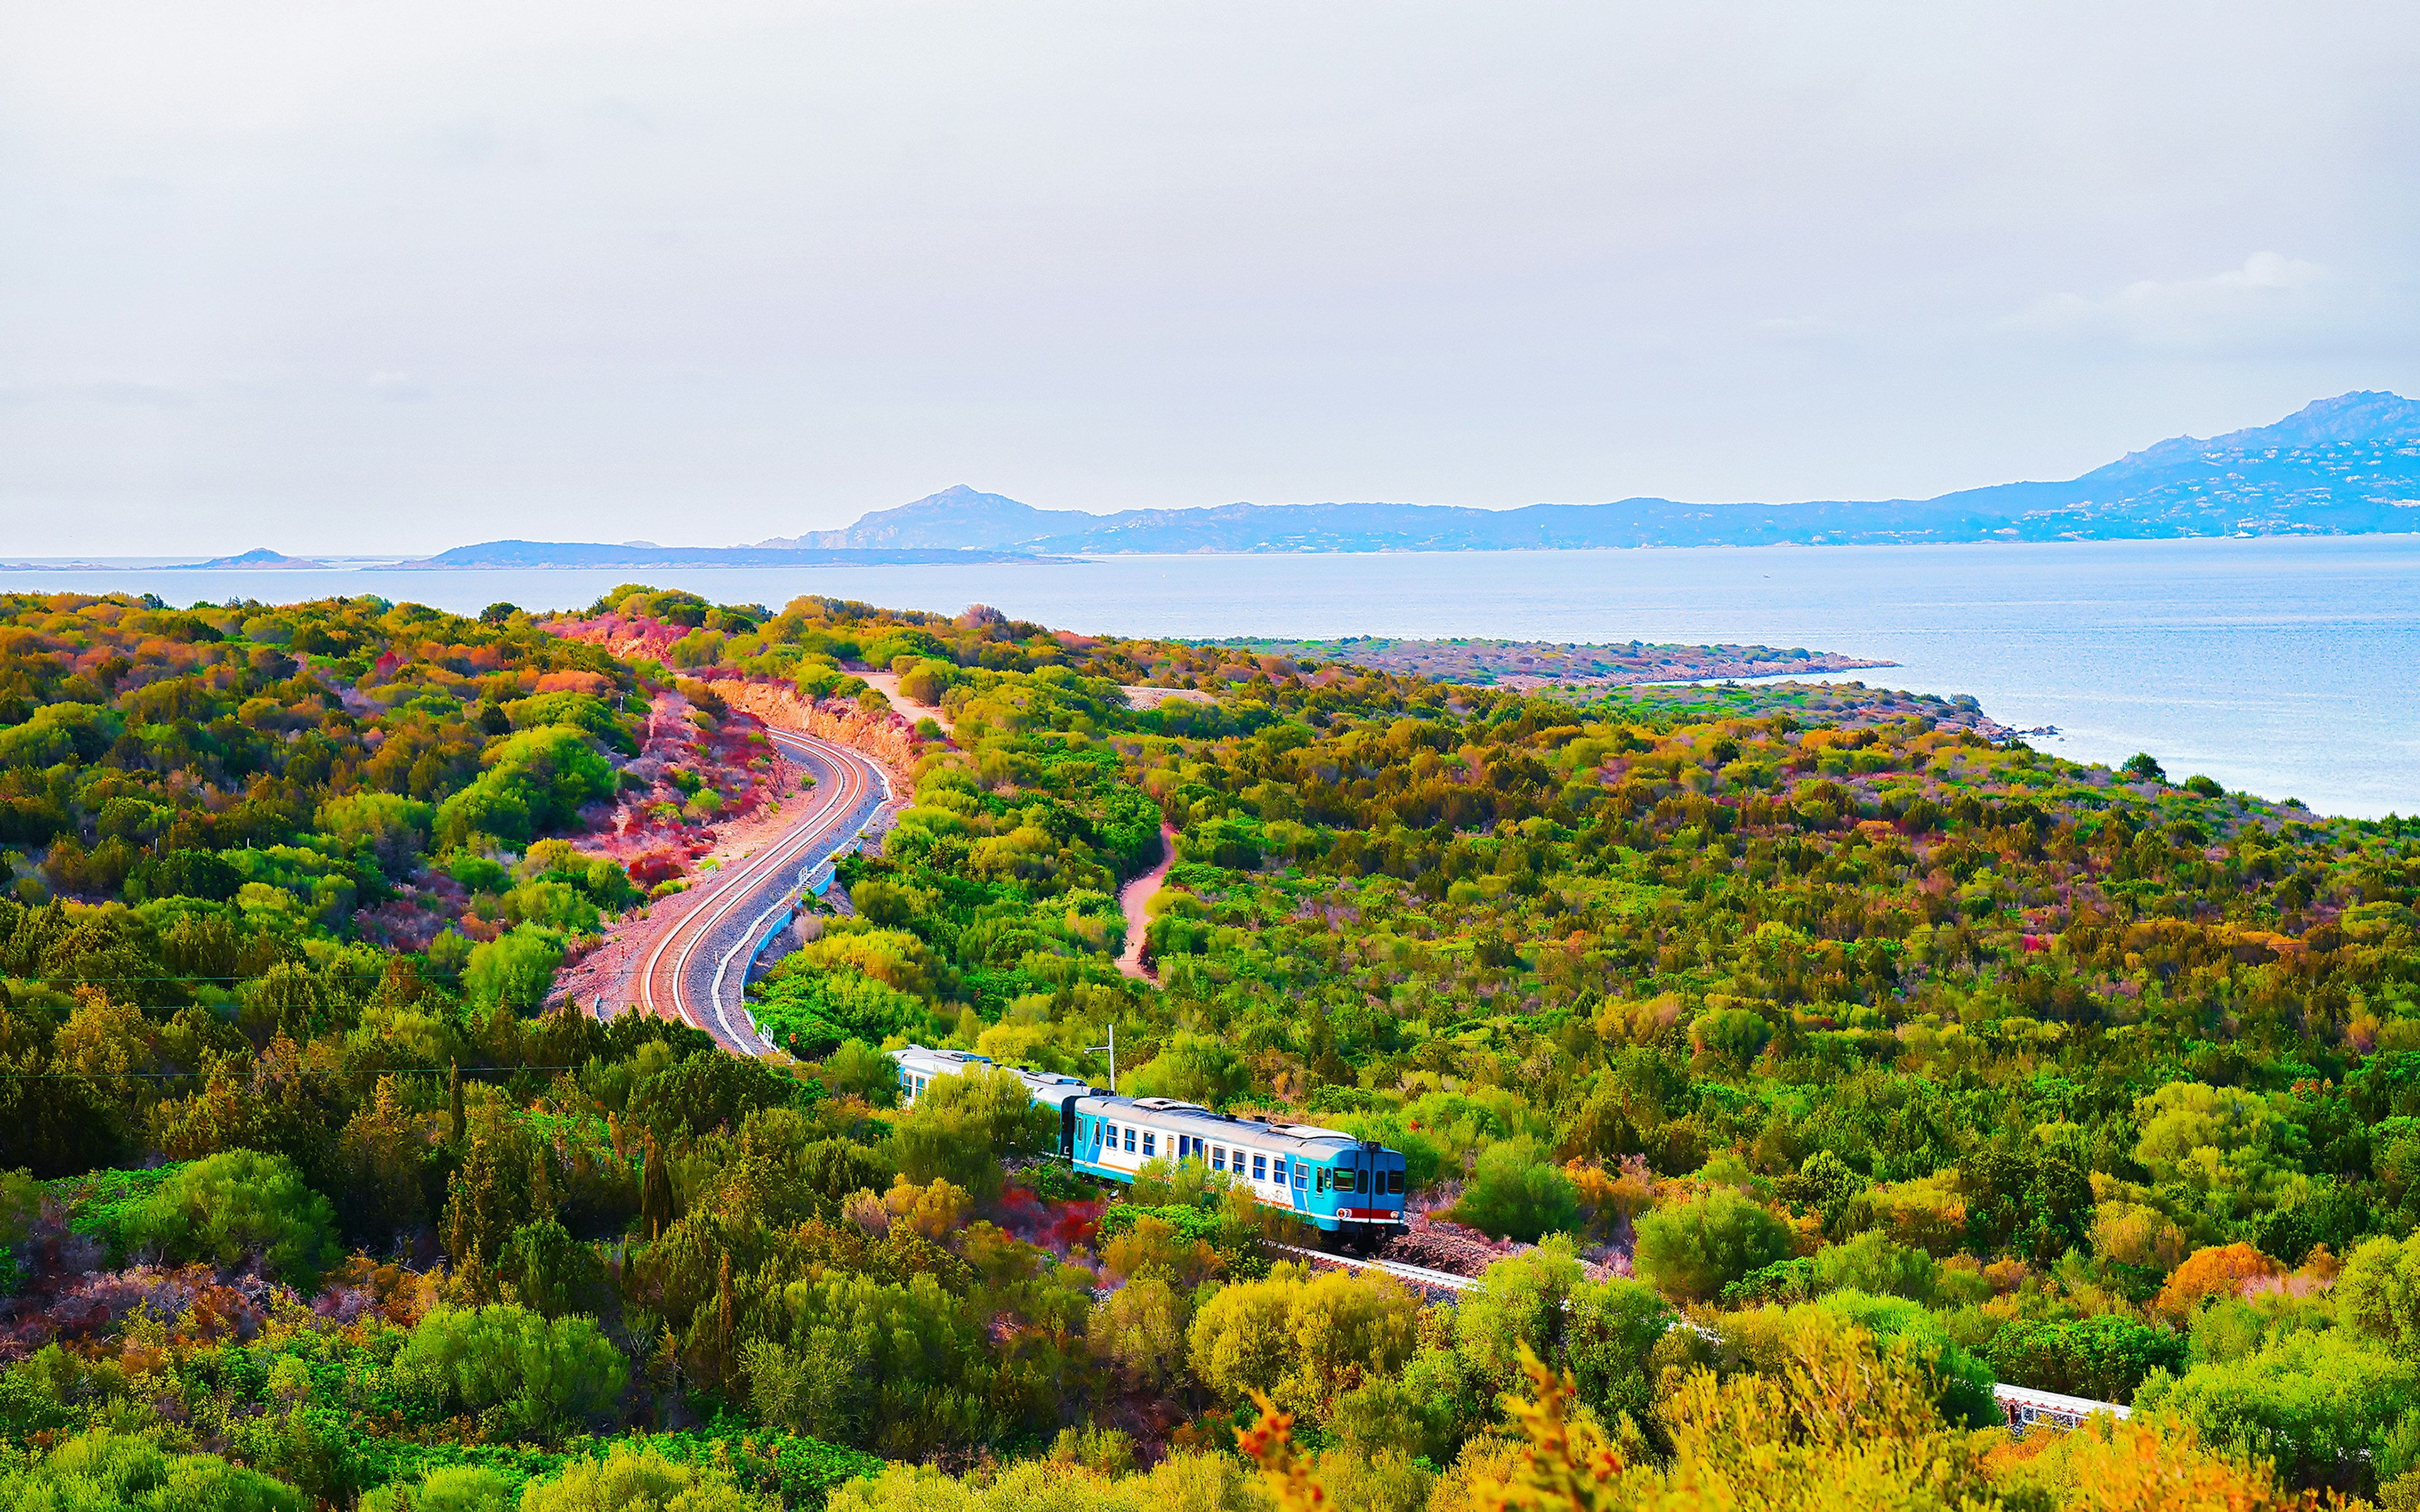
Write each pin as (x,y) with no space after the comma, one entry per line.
(655,1191)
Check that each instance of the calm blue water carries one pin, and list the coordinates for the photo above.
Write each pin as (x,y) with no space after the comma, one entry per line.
(2282,666)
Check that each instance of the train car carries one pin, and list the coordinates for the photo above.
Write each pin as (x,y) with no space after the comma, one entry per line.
(1332,1182)
(918,1066)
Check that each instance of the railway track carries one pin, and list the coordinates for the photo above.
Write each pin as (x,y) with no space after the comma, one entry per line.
(698,971)
(698,974)
(2024,1406)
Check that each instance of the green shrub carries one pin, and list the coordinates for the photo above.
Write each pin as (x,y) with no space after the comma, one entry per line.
(2104,1357)
(446,1488)
(1872,1261)
(711,1090)
(109,1472)
(2379,1292)
(1963,1380)
(1516,1192)
(239,1203)
(2325,1404)
(964,1126)
(542,1375)
(1693,1249)
(639,1479)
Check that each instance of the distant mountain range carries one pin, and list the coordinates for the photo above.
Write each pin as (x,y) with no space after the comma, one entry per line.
(638,556)
(2346,466)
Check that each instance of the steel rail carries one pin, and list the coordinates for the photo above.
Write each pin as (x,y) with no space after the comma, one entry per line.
(854,780)
(2024,1406)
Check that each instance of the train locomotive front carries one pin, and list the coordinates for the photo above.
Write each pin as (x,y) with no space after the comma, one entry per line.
(1351,1188)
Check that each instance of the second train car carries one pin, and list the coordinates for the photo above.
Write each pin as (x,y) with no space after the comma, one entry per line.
(1352,1188)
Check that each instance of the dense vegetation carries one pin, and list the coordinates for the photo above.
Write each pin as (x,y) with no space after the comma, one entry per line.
(1892,1060)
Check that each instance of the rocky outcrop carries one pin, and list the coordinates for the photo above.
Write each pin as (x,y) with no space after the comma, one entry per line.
(879,733)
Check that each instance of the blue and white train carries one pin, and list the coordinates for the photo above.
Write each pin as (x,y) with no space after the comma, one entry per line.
(1341,1185)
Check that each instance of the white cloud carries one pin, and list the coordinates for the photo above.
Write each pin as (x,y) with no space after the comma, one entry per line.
(2272,300)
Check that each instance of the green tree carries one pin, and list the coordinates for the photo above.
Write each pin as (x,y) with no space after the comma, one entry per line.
(964,1126)
(515,969)
(2224,1150)
(1192,1068)
(858,1068)
(553,1274)
(2104,1357)
(1961,1383)
(709,1089)
(2378,1294)
(2326,1404)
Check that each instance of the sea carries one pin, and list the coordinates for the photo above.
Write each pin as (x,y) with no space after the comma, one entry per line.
(2279,666)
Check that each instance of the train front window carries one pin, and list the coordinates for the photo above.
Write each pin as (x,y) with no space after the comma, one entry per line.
(1395,1183)
(1361,1182)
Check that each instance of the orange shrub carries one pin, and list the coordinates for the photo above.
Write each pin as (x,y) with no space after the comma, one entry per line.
(2216,1271)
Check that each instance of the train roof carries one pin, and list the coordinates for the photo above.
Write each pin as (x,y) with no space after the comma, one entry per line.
(1216,1125)
(1165,1110)
(952,1062)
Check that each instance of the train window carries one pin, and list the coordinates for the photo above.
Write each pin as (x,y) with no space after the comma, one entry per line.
(1395,1183)
(1131,1133)
(1276,1170)
(1322,1180)
(1260,1169)
(1361,1182)
(1149,1139)
(1218,1157)
(1301,1176)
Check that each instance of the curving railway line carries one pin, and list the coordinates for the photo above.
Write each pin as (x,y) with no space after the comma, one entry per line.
(698,971)
(2024,1406)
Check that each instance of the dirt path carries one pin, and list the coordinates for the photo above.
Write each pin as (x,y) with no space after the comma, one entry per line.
(1134,898)
(887,683)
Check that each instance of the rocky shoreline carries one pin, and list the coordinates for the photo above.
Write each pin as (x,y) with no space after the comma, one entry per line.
(1529,664)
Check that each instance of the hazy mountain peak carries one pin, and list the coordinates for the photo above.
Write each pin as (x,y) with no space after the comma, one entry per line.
(2361,415)
(958,516)
(2364,415)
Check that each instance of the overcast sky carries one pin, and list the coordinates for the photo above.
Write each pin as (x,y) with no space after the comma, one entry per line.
(381,278)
